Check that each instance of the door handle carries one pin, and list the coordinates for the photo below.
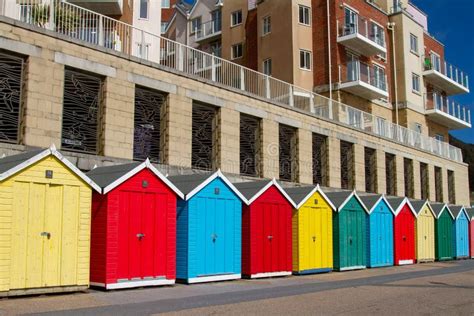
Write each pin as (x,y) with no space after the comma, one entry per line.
(214,237)
(140,236)
(404,238)
(270,237)
(314,238)
(350,240)
(46,234)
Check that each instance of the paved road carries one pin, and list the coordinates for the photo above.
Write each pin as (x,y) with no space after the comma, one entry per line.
(436,288)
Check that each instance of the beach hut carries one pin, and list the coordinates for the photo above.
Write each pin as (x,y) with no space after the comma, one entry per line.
(461,231)
(470,211)
(349,230)
(209,228)
(425,231)
(133,237)
(47,202)
(444,232)
(266,229)
(379,230)
(312,230)
(404,230)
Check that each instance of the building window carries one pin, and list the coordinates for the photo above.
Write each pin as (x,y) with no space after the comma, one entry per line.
(267,67)
(390,174)
(424,181)
(165,4)
(438,184)
(203,136)
(415,82)
(250,152)
(305,59)
(414,43)
(143,9)
(147,131)
(378,35)
(320,159)
(304,15)
(418,128)
(379,78)
(236,18)
(81,106)
(216,18)
(237,51)
(287,153)
(347,165)
(409,177)
(267,25)
(195,25)
(11,78)
(370,170)
(164,25)
(451,188)
(439,137)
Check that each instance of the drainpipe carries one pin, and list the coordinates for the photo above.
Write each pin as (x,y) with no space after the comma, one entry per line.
(391,27)
(330,59)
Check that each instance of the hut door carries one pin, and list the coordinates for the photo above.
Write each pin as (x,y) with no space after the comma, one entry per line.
(315,219)
(406,237)
(380,227)
(462,236)
(425,235)
(44,235)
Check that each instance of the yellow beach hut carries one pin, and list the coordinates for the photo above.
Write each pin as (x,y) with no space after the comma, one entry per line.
(45,207)
(424,231)
(312,230)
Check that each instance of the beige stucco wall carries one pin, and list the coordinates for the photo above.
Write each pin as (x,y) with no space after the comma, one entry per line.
(122,73)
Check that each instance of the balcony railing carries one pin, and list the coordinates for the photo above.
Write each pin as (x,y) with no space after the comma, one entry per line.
(436,101)
(367,81)
(208,30)
(82,24)
(447,70)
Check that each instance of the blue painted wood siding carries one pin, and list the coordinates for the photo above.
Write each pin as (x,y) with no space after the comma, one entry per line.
(380,236)
(462,236)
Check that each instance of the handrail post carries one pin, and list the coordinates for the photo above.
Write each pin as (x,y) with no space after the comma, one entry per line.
(267,87)
(291,101)
(464,114)
(180,58)
(101,31)
(52,13)
(311,103)
(213,68)
(242,79)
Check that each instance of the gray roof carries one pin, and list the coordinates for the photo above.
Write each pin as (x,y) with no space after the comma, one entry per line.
(437,208)
(338,197)
(395,202)
(470,211)
(250,189)
(104,176)
(10,162)
(417,205)
(297,194)
(370,200)
(187,183)
(456,209)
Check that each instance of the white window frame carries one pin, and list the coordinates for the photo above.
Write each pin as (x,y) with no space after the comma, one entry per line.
(165,4)
(418,83)
(302,17)
(266,25)
(233,18)
(193,29)
(415,38)
(241,51)
(439,137)
(307,53)
(147,2)
(267,67)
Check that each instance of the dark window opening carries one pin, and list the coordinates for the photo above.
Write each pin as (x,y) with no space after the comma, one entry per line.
(370,170)
(438,184)
(249,145)
(287,153)
(424,181)
(390,174)
(81,111)
(320,160)
(347,165)
(203,139)
(11,81)
(147,130)
(408,171)
(451,187)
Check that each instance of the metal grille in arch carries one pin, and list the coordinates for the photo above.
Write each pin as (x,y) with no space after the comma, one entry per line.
(249,145)
(203,138)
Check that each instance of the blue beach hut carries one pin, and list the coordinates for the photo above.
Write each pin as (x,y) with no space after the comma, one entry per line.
(208,228)
(461,231)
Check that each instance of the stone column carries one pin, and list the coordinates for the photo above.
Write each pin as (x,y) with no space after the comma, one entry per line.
(416,179)
(270,149)
(334,162)
(228,141)
(381,172)
(305,158)
(400,181)
(359,167)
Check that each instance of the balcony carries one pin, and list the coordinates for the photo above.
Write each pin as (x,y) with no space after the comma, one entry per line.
(208,31)
(362,36)
(106,7)
(446,77)
(366,81)
(441,110)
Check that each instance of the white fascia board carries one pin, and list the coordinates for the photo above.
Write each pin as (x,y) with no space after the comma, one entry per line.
(124,178)
(317,188)
(354,194)
(283,192)
(25,164)
(259,193)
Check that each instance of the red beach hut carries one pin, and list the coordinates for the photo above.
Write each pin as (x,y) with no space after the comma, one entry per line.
(133,237)
(266,229)
(404,230)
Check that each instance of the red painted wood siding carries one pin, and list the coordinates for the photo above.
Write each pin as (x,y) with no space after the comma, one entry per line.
(269,215)
(98,238)
(404,235)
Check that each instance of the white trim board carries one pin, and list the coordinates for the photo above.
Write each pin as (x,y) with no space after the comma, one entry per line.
(214,278)
(353,194)
(405,262)
(270,274)
(266,187)
(131,284)
(317,189)
(217,174)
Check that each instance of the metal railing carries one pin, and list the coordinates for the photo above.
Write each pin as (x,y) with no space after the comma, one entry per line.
(435,100)
(360,71)
(82,24)
(446,69)
(361,26)
(208,29)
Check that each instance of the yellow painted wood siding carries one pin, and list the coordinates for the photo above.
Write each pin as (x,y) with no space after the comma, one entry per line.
(62,207)
(425,235)
(312,225)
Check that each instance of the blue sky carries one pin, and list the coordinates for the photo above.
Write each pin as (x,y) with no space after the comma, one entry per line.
(452,23)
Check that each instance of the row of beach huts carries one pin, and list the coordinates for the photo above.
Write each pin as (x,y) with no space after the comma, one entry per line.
(130,226)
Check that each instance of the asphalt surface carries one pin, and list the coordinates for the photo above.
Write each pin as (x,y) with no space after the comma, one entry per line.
(436,288)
